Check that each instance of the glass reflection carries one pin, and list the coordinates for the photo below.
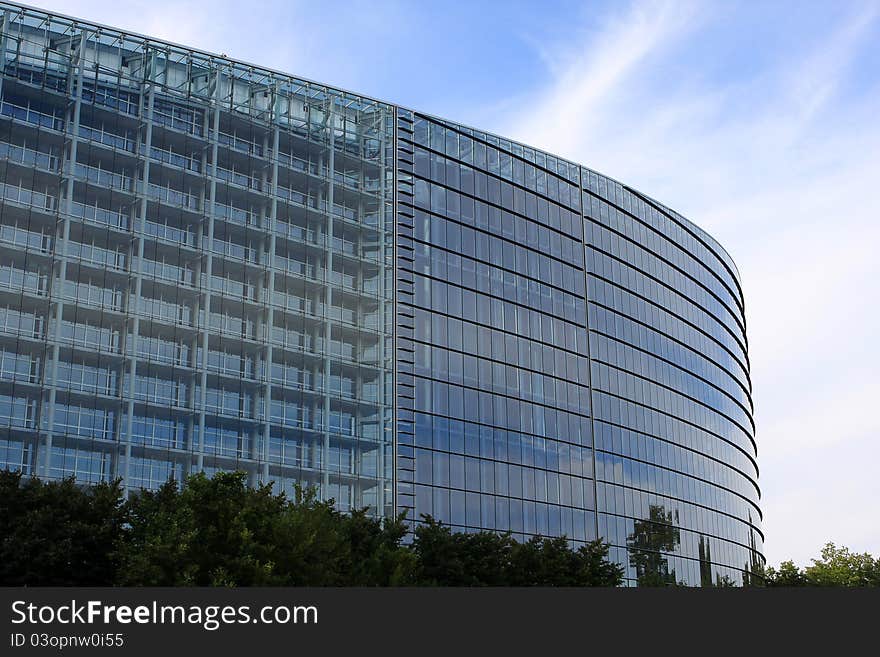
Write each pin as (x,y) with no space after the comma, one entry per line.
(649,540)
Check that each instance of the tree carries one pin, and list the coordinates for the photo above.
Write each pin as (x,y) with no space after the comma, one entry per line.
(485,558)
(376,556)
(207,532)
(787,575)
(218,531)
(552,562)
(840,567)
(595,567)
(542,562)
(705,553)
(725,582)
(440,553)
(446,558)
(58,533)
(648,541)
(316,545)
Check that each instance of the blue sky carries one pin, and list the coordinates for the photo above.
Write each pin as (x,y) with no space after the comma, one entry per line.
(757,120)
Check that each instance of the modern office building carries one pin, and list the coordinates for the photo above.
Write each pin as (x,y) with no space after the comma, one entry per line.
(208,265)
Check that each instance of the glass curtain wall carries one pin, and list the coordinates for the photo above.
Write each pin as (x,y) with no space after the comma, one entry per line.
(494,393)
(196,267)
(206,265)
(675,452)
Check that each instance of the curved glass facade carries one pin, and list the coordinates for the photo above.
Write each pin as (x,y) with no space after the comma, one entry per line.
(209,265)
(573,361)
(676,471)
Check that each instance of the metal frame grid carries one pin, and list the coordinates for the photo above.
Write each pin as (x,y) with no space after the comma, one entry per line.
(197,266)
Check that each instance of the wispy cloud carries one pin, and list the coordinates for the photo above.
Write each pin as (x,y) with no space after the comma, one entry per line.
(781,165)
(584,76)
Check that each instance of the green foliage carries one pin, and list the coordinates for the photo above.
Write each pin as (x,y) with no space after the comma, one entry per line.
(787,575)
(219,531)
(58,533)
(595,567)
(840,567)
(446,558)
(648,541)
(836,567)
(443,559)
(724,582)
(209,532)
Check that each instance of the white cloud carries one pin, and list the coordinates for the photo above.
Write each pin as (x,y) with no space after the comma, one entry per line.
(585,77)
(782,168)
